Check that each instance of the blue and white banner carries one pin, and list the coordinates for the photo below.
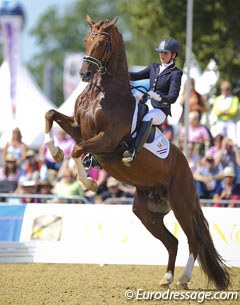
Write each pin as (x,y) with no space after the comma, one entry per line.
(11,217)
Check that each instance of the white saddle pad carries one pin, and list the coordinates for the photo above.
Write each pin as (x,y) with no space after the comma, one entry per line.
(160,145)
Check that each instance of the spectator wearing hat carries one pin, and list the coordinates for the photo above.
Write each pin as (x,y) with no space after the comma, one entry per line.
(228,189)
(10,173)
(28,187)
(32,166)
(44,187)
(10,170)
(207,177)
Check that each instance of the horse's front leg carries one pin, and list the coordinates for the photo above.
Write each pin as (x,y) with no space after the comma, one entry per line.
(88,182)
(100,143)
(67,124)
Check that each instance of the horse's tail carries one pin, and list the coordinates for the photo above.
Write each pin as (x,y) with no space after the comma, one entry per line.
(211,262)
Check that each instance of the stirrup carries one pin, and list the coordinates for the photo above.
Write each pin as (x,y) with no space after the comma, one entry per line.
(89,161)
(128,157)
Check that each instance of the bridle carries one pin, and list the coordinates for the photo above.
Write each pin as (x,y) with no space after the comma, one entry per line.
(102,61)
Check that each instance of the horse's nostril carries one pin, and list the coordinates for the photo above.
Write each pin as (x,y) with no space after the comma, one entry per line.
(88,74)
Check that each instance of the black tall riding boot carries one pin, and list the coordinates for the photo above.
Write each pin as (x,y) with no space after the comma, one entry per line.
(141,138)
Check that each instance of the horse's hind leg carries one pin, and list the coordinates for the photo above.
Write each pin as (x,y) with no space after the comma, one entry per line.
(153,221)
(183,213)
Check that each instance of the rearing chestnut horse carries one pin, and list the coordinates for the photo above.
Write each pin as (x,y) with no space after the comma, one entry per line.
(102,120)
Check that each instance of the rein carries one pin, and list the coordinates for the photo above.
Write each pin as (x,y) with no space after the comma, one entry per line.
(101,65)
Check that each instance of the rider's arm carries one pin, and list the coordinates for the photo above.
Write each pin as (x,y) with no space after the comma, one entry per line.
(174,89)
(143,74)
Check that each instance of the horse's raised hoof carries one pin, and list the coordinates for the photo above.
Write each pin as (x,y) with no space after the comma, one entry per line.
(92,185)
(59,156)
(182,286)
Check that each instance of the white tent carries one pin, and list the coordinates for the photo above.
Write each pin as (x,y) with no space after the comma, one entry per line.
(31,105)
(208,79)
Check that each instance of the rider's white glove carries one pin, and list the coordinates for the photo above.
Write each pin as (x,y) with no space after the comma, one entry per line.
(154,95)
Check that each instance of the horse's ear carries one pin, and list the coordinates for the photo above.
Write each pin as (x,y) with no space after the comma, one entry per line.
(89,20)
(111,23)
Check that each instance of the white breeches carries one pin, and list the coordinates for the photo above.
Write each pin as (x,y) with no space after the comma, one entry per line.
(156,115)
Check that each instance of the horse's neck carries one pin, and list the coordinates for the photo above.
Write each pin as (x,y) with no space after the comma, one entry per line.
(117,66)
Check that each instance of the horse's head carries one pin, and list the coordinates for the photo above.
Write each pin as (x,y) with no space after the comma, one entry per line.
(98,48)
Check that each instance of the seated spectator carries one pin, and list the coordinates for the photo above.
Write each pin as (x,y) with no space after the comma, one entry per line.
(194,157)
(114,191)
(227,189)
(68,185)
(228,155)
(44,187)
(15,147)
(28,187)
(216,147)
(225,108)
(207,177)
(10,173)
(197,133)
(63,141)
(10,170)
(32,166)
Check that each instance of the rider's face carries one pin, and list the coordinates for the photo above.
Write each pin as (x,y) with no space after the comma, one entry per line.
(165,57)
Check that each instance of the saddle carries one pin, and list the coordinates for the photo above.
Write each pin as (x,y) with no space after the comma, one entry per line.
(128,143)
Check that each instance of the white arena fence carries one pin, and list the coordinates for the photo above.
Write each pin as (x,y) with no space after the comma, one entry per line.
(102,234)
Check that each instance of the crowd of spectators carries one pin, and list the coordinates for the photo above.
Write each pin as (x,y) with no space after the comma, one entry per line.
(213,156)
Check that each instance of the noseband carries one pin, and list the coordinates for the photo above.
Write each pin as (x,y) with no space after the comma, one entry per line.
(100,63)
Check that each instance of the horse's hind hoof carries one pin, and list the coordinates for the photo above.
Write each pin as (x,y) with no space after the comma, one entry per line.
(59,156)
(92,185)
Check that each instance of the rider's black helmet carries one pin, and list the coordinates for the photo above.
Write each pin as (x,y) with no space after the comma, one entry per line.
(168,45)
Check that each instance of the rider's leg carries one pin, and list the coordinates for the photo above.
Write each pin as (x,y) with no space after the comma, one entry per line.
(153,117)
